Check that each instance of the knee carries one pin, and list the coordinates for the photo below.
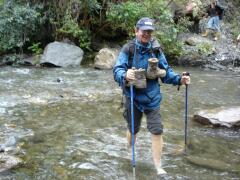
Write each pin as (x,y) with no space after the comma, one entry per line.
(136,129)
(156,129)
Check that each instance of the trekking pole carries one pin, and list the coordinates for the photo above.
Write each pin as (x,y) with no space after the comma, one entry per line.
(132,122)
(186,118)
(186,114)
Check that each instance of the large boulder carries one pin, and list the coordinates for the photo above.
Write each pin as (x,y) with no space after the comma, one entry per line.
(106,58)
(227,117)
(62,55)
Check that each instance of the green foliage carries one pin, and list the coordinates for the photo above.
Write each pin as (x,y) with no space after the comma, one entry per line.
(235,28)
(84,40)
(183,24)
(17,25)
(78,20)
(37,51)
(73,19)
(35,48)
(205,48)
(89,7)
(157,9)
(71,29)
(171,47)
(167,31)
(125,15)
(84,11)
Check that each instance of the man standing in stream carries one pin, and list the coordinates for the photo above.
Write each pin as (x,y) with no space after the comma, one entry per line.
(141,63)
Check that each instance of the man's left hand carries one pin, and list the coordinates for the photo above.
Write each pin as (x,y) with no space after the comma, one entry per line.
(185,79)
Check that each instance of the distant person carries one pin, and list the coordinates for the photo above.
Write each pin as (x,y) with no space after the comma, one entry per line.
(215,12)
(142,63)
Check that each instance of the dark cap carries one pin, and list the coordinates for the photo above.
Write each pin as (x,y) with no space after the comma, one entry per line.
(145,24)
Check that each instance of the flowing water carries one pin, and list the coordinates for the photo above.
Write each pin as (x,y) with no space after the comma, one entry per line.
(68,125)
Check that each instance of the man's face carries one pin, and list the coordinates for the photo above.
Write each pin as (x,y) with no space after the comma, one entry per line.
(143,36)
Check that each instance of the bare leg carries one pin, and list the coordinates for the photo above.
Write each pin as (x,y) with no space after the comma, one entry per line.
(157,146)
(129,138)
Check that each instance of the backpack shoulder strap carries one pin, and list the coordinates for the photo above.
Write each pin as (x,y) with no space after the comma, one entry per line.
(129,49)
(156,48)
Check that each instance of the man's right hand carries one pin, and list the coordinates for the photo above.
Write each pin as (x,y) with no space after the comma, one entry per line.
(130,75)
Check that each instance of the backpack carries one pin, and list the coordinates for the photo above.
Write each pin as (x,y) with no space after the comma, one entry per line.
(220,11)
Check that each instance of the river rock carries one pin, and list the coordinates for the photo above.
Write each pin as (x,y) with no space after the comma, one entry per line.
(8,162)
(191,41)
(106,58)
(209,163)
(62,55)
(227,117)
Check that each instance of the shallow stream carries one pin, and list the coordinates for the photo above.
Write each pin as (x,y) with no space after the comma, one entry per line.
(68,125)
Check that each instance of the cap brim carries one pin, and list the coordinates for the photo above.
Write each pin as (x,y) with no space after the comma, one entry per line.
(151,28)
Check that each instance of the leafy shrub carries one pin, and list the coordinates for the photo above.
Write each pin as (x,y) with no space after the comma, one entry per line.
(17,24)
(125,15)
(78,20)
(71,29)
(37,51)
(205,48)
(35,48)
(235,30)
(171,47)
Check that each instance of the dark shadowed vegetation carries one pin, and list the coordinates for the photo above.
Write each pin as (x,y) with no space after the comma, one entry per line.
(24,23)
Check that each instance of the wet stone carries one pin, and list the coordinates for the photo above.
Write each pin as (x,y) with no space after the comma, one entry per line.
(8,162)
(209,163)
(225,116)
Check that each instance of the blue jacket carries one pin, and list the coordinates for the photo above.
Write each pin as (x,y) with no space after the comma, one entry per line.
(150,97)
